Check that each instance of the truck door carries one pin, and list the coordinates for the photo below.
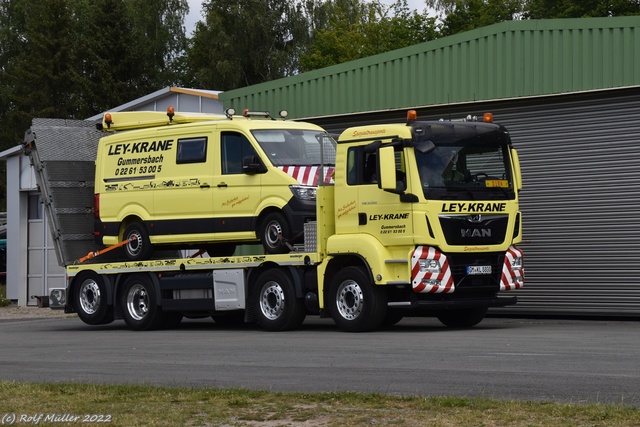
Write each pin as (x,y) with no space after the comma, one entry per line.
(236,194)
(381,213)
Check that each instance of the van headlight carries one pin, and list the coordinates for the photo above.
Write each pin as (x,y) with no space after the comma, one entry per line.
(303,192)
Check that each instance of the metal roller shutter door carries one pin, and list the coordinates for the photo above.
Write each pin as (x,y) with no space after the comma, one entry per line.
(580,156)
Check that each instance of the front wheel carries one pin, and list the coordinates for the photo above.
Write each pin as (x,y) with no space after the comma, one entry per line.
(463,318)
(90,298)
(277,308)
(273,231)
(355,303)
(138,304)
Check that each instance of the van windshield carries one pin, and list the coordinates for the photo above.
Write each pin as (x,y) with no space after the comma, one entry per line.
(295,147)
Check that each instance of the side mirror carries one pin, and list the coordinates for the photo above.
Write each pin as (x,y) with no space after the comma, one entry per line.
(252,165)
(517,174)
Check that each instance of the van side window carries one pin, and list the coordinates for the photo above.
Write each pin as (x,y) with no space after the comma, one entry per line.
(192,150)
(234,147)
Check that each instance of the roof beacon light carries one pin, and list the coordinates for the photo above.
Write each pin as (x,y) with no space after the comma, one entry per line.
(284,114)
(488,118)
(108,120)
(412,116)
(171,112)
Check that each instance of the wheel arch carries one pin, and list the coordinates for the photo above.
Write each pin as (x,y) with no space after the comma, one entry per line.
(338,263)
(78,278)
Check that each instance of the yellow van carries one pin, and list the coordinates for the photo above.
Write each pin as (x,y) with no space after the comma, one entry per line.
(206,181)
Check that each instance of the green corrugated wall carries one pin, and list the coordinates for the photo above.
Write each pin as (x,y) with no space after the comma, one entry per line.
(507,60)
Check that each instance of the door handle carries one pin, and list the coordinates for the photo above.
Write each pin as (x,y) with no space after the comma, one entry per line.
(222,185)
(205,185)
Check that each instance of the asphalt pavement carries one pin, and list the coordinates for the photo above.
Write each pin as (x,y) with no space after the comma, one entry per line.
(579,361)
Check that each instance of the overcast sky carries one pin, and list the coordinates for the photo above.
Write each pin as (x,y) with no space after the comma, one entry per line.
(195,7)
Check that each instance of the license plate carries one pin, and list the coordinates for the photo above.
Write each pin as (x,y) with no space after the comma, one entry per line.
(478,269)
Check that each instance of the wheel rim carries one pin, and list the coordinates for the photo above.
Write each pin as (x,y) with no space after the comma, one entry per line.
(349,300)
(137,302)
(134,247)
(272,300)
(89,296)
(271,233)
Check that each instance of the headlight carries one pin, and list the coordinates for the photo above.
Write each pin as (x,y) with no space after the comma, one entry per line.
(429,265)
(303,192)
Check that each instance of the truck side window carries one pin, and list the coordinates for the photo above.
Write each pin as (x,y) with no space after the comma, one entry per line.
(192,150)
(361,167)
(234,147)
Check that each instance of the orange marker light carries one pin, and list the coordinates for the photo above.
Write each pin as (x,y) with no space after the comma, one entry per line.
(412,116)
(108,120)
(488,118)
(170,112)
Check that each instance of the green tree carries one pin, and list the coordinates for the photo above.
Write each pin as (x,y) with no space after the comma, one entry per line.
(245,43)
(465,15)
(545,9)
(356,29)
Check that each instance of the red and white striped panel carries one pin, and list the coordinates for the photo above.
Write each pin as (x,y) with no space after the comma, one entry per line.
(308,175)
(446,279)
(511,278)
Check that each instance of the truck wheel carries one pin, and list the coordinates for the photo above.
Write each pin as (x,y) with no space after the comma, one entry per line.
(90,298)
(464,318)
(273,229)
(140,248)
(356,304)
(138,304)
(277,308)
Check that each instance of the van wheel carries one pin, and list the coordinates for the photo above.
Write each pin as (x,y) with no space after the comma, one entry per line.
(140,248)
(463,318)
(90,299)
(277,308)
(138,304)
(272,232)
(356,304)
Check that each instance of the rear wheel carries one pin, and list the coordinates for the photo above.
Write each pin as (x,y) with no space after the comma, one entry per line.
(277,308)
(90,298)
(272,232)
(139,248)
(356,304)
(138,304)
(463,318)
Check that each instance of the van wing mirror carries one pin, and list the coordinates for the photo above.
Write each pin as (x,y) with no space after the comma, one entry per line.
(252,165)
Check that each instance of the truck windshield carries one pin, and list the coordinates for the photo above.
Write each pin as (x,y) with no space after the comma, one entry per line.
(294,147)
(453,171)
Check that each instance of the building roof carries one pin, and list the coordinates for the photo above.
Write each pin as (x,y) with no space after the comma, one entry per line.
(148,102)
(507,60)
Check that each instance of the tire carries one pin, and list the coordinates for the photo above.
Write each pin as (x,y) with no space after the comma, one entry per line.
(138,304)
(275,302)
(139,249)
(272,226)
(463,318)
(90,299)
(355,303)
